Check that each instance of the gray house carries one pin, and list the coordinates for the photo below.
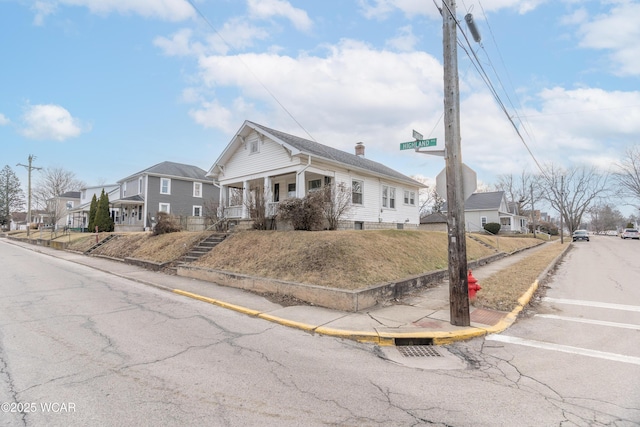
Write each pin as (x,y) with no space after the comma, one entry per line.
(175,188)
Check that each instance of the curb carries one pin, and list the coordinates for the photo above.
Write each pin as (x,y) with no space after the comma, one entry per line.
(382,339)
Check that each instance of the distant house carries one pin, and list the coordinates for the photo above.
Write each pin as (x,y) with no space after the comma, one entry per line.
(58,210)
(284,166)
(175,188)
(483,208)
(434,222)
(80,213)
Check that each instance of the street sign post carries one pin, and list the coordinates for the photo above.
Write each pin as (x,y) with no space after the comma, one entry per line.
(419,143)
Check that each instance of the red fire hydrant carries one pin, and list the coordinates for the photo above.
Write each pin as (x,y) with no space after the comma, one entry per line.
(473,286)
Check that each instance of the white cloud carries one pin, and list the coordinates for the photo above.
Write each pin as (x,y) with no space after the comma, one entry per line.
(405,41)
(381,9)
(330,93)
(50,122)
(4,120)
(168,10)
(265,9)
(235,35)
(42,9)
(617,32)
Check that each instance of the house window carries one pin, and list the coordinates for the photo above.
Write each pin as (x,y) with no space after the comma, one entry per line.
(165,186)
(483,221)
(69,205)
(327,181)
(197,190)
(197,211)
(254,147)
(388,197)
(291,190)
(356,191)
(164,207)
(315,185)
(409,197)
(140,185)
(276,192)
(124,189)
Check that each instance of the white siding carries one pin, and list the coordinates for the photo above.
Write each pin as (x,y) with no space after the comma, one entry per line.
(271,156)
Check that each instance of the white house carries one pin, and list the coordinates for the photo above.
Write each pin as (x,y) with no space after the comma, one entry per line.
(286,166)
(483,208)
(80,213)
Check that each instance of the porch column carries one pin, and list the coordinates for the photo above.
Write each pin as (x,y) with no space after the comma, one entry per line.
(268,199)
(223,195)
(245,199)
(300,187)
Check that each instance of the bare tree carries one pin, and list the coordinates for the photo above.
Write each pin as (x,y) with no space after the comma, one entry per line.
(52,183)
(571,191)
(627,174)
(518,189)
(337,203)
(604,217)
(425,195)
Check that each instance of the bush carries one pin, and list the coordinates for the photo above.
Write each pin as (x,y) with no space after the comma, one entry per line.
(492,227)
(165,224)
(304,214)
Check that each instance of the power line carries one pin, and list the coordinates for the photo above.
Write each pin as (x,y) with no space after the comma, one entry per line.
(204,18)
(478,65)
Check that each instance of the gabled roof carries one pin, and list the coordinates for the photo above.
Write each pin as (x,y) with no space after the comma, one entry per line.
(434,218)
(70,195)
(482,201)
(171,169)
(299,145)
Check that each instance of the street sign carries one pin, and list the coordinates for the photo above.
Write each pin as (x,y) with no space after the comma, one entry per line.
(417,135)
(420,143)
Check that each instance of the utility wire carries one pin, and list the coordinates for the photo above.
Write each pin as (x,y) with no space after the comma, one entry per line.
(231,48)
(478,65)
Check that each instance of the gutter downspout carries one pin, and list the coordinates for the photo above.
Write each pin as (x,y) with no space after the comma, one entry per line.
(298,186)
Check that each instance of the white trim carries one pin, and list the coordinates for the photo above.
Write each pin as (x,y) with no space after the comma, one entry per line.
(199,186)
(161,205)
(193,210)
(168,185)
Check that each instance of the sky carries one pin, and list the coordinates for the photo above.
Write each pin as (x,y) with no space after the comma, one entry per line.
(106,88)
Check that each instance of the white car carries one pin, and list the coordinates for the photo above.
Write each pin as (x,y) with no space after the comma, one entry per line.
(630,233)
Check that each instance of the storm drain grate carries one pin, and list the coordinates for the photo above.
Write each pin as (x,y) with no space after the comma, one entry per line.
(419,351)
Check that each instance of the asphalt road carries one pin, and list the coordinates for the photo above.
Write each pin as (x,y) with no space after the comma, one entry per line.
(82,347)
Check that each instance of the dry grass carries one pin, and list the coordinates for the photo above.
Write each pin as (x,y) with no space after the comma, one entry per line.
(502,290)
(339,259)
(143,245)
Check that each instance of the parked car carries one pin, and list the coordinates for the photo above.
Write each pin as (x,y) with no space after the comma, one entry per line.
(580,235)
(630,233)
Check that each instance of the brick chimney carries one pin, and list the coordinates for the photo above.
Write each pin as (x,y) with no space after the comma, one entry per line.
(360,149)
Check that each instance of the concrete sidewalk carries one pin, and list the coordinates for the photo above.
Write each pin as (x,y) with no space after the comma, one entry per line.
(421,318)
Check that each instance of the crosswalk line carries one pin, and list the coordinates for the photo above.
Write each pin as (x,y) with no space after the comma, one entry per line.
(564,349)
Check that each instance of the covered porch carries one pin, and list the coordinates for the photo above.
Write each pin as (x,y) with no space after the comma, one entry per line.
(129,214)
(237,199)
(510,223)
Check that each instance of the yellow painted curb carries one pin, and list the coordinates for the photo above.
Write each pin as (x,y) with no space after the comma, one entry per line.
(286,322)
(219,303)
(360,336)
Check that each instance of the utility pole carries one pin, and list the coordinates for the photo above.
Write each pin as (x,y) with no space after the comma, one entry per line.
(533,213)
(458,279)
(29,169)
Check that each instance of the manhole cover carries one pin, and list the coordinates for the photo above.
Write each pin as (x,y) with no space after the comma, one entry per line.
(419,351)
